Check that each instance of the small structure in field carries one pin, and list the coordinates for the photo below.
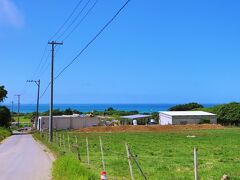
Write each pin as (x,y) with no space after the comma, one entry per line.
(74,121)
(136,119)
(186,117)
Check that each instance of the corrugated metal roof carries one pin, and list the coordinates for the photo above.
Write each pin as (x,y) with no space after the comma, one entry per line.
(136,116)
(187,113)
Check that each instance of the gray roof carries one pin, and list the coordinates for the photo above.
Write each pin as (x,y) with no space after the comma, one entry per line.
(136,116)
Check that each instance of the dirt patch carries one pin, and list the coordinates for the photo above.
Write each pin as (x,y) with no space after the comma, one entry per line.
(155,128)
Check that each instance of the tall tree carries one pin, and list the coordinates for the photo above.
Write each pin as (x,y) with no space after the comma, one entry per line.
(3,93)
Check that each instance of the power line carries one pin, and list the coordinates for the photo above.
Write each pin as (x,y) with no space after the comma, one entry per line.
(84,17)
(74,20)
(93,39)
(41,60)
(87,45)
(45,90)
(66,21)
(45,64)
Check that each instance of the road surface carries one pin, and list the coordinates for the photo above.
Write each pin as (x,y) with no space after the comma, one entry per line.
(22,158)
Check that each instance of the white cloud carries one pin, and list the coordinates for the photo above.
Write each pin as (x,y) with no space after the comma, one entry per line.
(10,14)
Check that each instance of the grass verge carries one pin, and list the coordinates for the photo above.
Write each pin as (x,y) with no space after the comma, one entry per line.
(67,166)
(4,133)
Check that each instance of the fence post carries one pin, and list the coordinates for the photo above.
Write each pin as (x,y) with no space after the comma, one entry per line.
(195,163)
(76,140)
(64,146)
(68,143)
(56,138)
(103,163)
(47,139)
(129,161)
(88,160)
(60,140)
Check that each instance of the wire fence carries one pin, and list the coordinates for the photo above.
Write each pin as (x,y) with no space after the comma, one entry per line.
(94,152)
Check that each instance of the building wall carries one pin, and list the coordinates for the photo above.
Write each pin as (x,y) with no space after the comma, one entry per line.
(63,122)
(192,119)
(165,119)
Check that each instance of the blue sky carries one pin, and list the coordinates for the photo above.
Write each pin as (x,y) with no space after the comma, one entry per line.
(154,52)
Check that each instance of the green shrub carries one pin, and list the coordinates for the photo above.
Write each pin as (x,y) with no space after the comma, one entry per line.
(4,133)
(5,116)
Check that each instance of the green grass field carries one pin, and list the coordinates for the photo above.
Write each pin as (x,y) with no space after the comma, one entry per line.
(161,155)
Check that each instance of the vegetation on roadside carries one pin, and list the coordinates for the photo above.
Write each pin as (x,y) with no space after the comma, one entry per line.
(66,166)
(5,115)
(4,132)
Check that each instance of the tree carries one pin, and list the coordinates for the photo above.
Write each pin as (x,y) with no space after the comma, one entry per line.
(186,107)
(110,109)
(5,116)
(3,93)
(68,111)
(229,113)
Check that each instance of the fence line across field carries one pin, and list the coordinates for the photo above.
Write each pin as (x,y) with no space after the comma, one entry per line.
(74,143)
(101,147)
(87,146)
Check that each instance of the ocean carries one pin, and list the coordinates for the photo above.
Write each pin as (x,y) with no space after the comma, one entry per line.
(147,108)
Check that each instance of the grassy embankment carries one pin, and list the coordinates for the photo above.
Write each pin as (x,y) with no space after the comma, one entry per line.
(67,166)
(166,155)
(4,133)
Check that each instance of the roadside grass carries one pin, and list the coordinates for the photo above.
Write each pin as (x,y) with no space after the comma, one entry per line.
(161,155)
(66,166)
(4,133)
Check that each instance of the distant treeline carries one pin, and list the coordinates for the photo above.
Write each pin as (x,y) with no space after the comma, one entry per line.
(107,112)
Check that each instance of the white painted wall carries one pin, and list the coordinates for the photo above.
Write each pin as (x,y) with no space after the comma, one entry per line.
(64,122)
(165,119)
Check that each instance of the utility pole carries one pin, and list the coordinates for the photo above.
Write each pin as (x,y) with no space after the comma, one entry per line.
(54,44)
(12,107)
(37,111)
(18,95)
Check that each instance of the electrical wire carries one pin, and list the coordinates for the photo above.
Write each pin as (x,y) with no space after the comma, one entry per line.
(66,21)
(74,20)
(92,40)
(87,45)
(84,17)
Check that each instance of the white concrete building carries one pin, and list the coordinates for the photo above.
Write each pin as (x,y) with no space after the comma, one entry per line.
(75,121)
(185,117)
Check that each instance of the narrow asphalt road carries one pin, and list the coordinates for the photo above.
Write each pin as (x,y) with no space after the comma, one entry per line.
(22,158)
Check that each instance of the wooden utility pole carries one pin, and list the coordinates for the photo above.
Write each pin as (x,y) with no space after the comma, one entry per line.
(37,111)
(54,44)
(18,95)
(12,107)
